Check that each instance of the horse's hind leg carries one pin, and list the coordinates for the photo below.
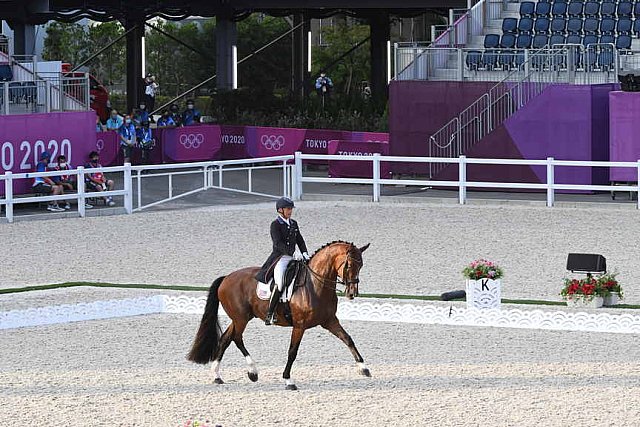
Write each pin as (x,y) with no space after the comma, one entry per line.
(238,330)
(225,340)
(336,329)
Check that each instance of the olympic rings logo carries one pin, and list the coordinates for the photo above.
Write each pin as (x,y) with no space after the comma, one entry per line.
(272,142)
(192,140)
(100,145)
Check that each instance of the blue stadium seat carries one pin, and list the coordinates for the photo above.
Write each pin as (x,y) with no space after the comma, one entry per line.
(542,25)
(525,25)
(573,39)
(539,41)
(623,42)
(559,9)
(607,39)
(607,25)
(527,9)
(590,26)
(607,9)
(591,9)
(636,10)
(625,9)
(490,55)
(508,41)
(575,9)
(491,41)
(589,40)
(543,9)
(509,25)
(6,73)
(474,59)
(523,41)
(558,25)
(574,26)
(556,39)
(624,26)
(636,27)
(605,58)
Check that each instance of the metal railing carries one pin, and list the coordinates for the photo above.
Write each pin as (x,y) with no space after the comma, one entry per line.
(462,183)
(44,96)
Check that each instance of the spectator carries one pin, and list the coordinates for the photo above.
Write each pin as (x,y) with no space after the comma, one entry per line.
(45,185)
(114,122)
(150,90)
(145,141)
(99,126)
(66,181)
(175,115)
(191,115)
(140,115)
(323,85)
(127,134)
(166,120)
(96,181)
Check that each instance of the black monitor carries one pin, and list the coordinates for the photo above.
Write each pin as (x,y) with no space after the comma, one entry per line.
(586,263)
(630,80)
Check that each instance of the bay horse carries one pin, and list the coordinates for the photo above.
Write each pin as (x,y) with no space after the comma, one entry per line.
(313,303)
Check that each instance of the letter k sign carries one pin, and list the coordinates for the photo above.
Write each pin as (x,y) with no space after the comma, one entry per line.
(484,285)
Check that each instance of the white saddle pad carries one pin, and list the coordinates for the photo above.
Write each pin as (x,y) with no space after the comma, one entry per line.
(264,293)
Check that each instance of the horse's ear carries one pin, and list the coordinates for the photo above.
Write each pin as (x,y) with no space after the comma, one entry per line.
(365,247)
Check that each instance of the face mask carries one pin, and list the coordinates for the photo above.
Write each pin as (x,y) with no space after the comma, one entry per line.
(94,160)
(63,165)
(128,121)
(142,107)
(190,107)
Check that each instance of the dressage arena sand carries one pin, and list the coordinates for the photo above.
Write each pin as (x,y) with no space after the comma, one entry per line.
(132,371)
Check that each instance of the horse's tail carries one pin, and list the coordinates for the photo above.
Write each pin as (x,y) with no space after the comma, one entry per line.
(206,342)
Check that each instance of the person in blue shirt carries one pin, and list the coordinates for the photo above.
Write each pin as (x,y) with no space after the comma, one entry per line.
(141,115)
(145,141)
(174,113)
(323,84)
(166,120)
(191,115)
(115,121)
(45,185)
(127,133)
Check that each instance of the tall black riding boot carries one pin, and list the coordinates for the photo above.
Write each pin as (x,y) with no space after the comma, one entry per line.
(273,302)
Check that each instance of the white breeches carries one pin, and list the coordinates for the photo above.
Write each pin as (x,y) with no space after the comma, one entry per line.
(279,270)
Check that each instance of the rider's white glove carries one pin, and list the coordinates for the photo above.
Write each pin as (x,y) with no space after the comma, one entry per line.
(306,256)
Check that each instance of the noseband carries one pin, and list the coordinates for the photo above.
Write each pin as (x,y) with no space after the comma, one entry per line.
(341,278)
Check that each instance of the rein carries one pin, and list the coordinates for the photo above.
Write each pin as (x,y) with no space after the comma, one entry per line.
(330,284)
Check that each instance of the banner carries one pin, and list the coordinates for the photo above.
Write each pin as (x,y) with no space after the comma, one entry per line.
(268,142)
(24,138)
(234,144)
(354,168)
(191,143)
(108,147)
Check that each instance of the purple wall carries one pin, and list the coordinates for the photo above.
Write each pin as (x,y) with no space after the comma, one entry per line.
(624,143)
(564,122)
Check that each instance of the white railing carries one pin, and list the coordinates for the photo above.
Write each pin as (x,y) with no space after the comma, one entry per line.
(80,196)
(212,174)
(44,96)
(462,184)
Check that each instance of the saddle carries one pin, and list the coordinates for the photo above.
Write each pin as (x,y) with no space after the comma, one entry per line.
(295,267)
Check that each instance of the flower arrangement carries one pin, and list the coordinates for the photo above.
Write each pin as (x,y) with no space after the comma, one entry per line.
(482,269)
(591,287)
(609,284)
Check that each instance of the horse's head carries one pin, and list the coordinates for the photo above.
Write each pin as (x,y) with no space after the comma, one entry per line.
(349,269)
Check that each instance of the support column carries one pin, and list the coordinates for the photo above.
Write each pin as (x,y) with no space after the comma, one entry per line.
(134,61)
(299,75)
(24,38)
(226,40)
(380,29)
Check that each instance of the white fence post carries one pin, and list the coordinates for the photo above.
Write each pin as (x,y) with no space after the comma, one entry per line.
(298,176)
(220,175)
(80,189)
(285,179)
(6,97)
(550,182)
(638,195)
(139,188)
(47,96)
(462,180)
(376,177)
(8,195)
(128,188)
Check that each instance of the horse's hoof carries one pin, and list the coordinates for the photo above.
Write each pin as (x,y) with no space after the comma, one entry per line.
(291,387)
(218,381)
(365,372)
(253,376)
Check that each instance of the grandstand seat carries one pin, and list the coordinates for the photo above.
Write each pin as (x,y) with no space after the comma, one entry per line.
(589,40)
(590,26)
(575,9)
(523,41)
(607,39)
(490,55)
(623,42)
(573,39)
(558,25)
(473,59)
(605,58)
(527,9)
(607,9)
(556,39)
(624,26)
(539,41)
(541,26)
(507,41)
(636,27)
(509,25)
(525,25)
(574,26)
(543,9)
(6,73)
(624,9)
(636,10)
(491,41)
(607,25)
(591,9)
(559,9)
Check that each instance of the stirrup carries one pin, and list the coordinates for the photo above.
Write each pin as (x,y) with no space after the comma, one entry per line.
(270,319)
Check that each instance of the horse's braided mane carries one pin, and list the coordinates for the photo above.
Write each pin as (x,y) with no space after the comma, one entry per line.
(329,244)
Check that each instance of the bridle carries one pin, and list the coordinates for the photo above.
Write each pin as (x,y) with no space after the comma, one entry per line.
(340,280)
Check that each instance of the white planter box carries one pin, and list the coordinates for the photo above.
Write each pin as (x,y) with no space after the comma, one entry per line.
(483,293)
(612,299)
(580,302)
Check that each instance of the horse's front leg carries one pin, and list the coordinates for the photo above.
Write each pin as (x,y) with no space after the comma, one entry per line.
(336,329)
(296,337)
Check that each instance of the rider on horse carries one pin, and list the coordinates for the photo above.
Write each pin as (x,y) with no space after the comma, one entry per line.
(285,235)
